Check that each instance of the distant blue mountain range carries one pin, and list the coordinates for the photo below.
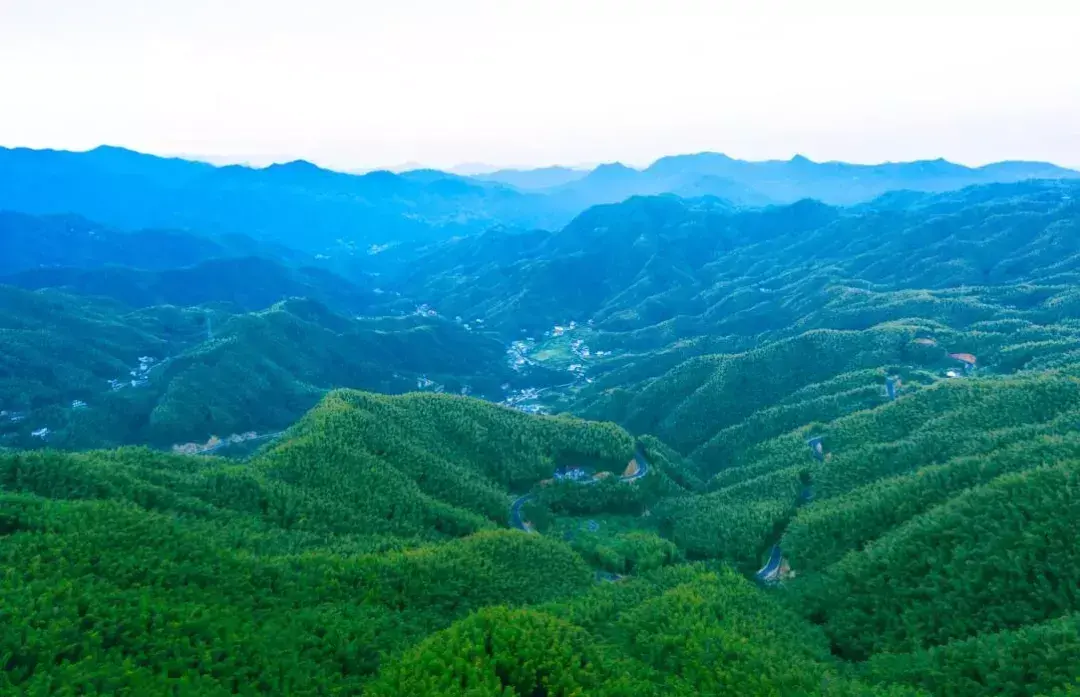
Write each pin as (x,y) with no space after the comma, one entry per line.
(773,181)
(303,206)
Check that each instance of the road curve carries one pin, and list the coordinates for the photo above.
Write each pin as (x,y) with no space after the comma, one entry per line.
(516,521)
(515,513)
(643,466)
(770,573)
(771,570)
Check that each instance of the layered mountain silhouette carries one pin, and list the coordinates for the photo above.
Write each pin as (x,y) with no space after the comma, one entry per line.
(248,283)
(298,204)
(533,179)
(684,444)
(38,242)
(306,207)
(785,181)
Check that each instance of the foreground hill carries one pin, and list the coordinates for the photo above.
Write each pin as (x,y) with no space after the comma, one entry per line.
(367,549)
(431,463)
(319,563)
(931,539)
(221,553)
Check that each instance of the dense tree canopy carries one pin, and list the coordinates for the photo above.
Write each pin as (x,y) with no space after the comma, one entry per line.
(795,450)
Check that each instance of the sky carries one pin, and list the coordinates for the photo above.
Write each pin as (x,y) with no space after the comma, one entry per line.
(357,84)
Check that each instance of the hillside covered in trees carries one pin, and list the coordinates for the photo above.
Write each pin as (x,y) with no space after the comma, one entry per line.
(94,372)
(793,450)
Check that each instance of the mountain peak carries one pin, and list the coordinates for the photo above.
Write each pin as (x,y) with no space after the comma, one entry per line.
(613,170)
(714,163)
(614,167)
(114,150)
(295,166)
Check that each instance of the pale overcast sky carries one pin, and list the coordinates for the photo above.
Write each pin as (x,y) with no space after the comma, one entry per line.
(356,84)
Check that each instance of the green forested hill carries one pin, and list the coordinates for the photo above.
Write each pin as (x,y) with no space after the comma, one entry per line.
(277,576)
(352,552)
(40,242)
(689,538)
(59,347)
(244,372)
(779,270)
(248,283)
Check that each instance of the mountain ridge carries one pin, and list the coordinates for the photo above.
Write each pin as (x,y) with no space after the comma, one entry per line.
(677,447)
(314,209)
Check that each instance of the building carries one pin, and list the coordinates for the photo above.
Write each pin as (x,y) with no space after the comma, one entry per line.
(572,474)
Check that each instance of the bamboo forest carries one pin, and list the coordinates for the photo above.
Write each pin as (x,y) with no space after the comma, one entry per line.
(707,426)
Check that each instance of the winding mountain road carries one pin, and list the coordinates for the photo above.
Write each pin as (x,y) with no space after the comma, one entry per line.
(515,513)
(516,521)
(771,571)
(643,466)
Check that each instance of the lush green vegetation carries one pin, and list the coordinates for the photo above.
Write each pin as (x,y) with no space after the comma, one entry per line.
(30,242)
(441,544)
(215,371)
(247,283)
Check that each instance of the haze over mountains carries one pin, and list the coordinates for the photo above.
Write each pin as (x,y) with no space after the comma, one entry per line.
(708,427)
(303,206)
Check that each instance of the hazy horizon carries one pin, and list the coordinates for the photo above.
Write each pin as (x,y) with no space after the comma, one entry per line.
(475,168)
(356,86)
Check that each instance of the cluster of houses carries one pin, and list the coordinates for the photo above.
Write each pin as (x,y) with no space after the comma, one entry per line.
(517,354)
(425,310)
(424,383)
(139,377)
(213,443)
(579,349)
(44,432)
(559,330)
(468,325)
(570,474)
(524,400)
(579,475)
